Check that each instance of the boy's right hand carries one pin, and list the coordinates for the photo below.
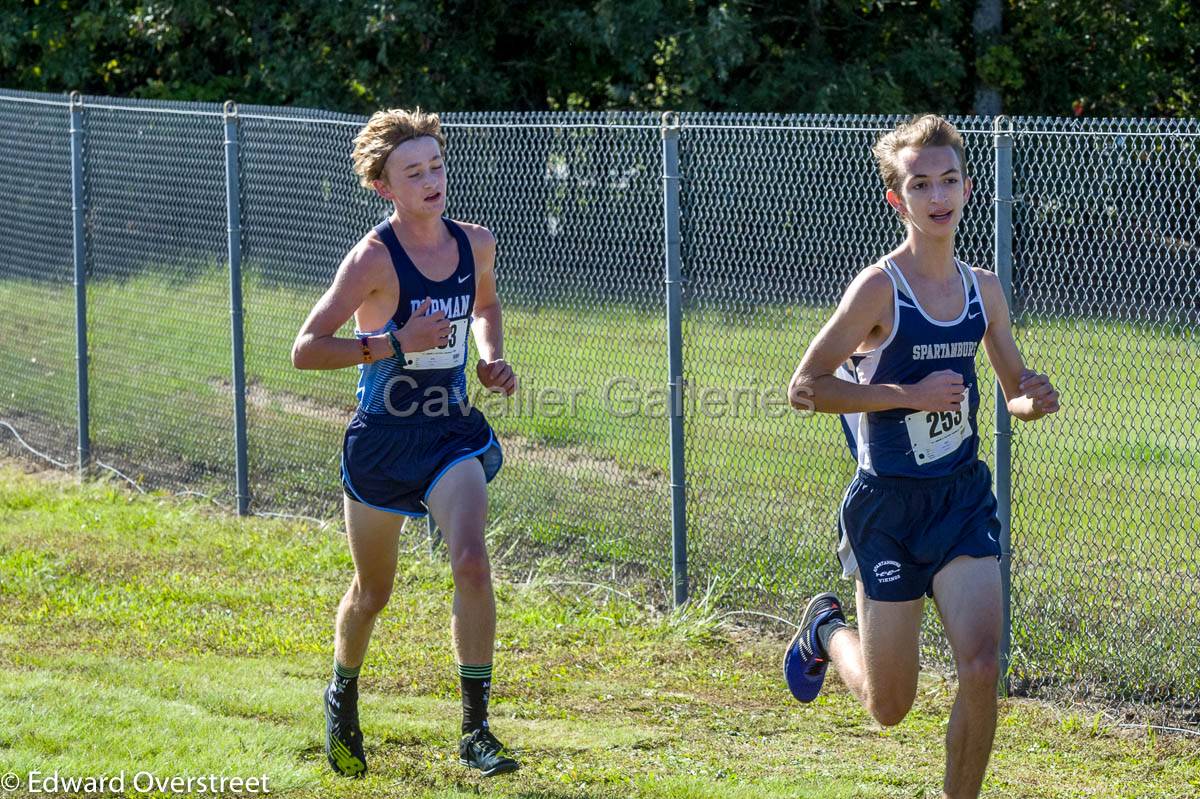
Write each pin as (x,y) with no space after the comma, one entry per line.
(939,391)
(422,332)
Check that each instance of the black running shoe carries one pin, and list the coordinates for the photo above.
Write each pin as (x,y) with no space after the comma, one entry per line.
(343,738)
(805,662)
(481,750)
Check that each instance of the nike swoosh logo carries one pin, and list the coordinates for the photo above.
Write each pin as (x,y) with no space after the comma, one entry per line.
(464,278)
(974,315)
(991,537)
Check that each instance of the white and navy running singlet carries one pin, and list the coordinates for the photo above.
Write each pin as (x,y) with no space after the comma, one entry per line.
(904,442)
(921,497)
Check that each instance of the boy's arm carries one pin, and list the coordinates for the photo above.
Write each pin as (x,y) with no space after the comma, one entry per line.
(488,325)
(315,346)
(866,306)
(1028,394)
(358,277)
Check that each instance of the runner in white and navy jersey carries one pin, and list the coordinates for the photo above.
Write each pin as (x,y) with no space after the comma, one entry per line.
(416,285)
(918,469)
(897,362)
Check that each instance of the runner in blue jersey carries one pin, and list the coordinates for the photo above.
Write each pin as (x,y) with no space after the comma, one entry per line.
(416,285)
(897,362)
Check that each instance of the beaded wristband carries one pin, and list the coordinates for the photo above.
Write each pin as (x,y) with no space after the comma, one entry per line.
(365,348)
(395,342)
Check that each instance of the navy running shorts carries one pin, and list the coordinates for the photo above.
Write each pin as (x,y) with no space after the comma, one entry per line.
(392,463)
(898,532)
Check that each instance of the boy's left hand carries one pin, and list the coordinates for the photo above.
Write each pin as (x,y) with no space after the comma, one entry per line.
(1037,387)
(497,376)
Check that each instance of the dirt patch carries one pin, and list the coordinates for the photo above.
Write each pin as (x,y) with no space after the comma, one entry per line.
(260,397)
(43,439)
(573,461)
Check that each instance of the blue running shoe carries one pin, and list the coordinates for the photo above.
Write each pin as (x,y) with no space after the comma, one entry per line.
(805,661)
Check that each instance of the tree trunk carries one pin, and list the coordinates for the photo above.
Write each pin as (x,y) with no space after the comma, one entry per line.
(986,25)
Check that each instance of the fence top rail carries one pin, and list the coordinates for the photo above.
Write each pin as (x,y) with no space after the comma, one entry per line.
(1179,134)
(813,128)
(8,98)
(150,110)
(451,124)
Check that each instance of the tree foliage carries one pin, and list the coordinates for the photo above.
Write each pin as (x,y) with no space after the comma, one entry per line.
(1098,57)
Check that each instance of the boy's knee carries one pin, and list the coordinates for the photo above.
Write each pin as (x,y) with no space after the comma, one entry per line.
(371,599)
(471,569)
(890,711)
(979,670)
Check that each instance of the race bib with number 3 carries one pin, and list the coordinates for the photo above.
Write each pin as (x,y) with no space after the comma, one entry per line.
(448,356)
(935,435)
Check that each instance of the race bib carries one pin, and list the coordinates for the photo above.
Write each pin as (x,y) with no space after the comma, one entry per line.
(448,356)
(936,435)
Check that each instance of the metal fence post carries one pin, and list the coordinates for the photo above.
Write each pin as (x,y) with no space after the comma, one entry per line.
(234,233)
(1003,138)
(675,383)
(80,278)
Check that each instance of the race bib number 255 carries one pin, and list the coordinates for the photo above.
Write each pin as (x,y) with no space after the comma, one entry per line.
(935,435)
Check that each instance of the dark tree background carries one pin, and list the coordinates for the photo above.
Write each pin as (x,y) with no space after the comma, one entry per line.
(1055,57)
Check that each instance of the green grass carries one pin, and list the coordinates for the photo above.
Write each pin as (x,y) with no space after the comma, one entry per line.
(146,633)
(1105,493)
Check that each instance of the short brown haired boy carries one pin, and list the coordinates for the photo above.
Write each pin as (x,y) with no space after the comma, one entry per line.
(897,362)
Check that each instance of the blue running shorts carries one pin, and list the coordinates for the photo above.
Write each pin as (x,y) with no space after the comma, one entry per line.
(898,532)
(392,463)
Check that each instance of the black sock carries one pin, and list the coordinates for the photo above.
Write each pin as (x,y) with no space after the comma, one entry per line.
(825,631)
(343,688)
(476,688)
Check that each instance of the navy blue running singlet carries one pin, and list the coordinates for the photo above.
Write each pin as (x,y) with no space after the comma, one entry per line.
(433,379)
(902,442)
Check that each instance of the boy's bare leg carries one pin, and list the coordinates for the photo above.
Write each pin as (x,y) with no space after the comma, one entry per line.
(373,536)
(879,661)
(969,597)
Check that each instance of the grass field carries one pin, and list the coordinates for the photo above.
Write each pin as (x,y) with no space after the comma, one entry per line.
(1106,494)
(147,633)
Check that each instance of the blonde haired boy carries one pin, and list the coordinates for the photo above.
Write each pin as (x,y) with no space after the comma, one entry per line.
(415,285)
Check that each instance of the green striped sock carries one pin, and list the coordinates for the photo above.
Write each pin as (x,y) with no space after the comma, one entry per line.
(478,672)
(476,689)
(345,672)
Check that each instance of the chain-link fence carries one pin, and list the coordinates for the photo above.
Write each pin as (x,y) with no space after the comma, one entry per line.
(1106,499)
(775,215)
(37,376)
